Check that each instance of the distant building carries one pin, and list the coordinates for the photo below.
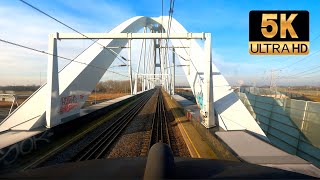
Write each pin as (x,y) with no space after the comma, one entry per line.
(7,96)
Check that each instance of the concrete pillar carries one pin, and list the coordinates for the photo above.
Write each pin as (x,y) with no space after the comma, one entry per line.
(53,99)
(162,64)
(144,62)
(173,73)
(168,69)
(135,89)
(154,61)
(209,107)
(129,65)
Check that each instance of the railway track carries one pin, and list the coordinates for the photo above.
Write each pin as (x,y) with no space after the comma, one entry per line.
(153,126)
(100,145)
(160,126)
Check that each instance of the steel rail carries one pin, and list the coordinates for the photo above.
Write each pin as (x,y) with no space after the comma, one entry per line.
(166,122)
(160,127)
(100,144)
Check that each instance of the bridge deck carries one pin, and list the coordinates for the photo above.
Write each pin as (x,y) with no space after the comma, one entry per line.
(256,151)
(251,149)
(13,136)
(102,105)
(195,144)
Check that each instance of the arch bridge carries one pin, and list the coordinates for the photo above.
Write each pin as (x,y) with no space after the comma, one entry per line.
(74,83)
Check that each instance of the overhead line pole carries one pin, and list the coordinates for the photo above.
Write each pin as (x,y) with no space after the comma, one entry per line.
(144,61)
(53,101)
(173,83)
(129,65)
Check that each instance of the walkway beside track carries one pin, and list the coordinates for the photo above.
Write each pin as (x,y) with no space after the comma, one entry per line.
(244,145)
(197,147)
(253,150)
(11,137)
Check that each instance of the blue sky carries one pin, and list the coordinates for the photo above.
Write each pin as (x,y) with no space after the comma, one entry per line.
(226,20)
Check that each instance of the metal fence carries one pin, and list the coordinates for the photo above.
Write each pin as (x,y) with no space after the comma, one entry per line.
(269,92)
(291,125)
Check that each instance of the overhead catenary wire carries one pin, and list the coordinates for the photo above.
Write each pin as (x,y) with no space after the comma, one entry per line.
(190,59)
(301,73)
(305,71)
(170,17)
(171,10)
(47,53)
(161,15)
(73,29)
(169,25)
(140,56)
(55,19)
(289,65)
(296,62)
(299,60)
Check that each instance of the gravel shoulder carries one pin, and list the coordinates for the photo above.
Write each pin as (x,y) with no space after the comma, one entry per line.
(138,131)
(132,139)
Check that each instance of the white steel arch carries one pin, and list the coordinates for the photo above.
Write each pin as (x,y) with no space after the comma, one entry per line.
(76,81)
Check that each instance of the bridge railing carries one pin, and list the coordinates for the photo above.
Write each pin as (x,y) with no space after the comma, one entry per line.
(292,125)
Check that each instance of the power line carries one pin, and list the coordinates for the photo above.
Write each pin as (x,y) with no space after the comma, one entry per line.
(117,73)
(46,14)
(315,38)
(299,60)
(47,53)
(284,67)
(300,73)
(170,14)
(181,41)
(165,56)
(33,49)
(313,72)
(273,79)
(161,15)
(55,19)
(169,24)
